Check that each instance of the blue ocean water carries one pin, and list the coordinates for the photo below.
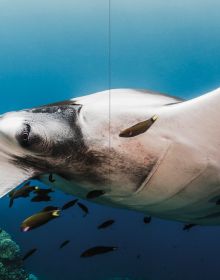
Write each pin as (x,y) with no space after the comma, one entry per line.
(55,50)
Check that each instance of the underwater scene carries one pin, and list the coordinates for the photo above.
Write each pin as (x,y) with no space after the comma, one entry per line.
(53,51)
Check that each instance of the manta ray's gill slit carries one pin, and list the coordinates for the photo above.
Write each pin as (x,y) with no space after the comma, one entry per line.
(146,174)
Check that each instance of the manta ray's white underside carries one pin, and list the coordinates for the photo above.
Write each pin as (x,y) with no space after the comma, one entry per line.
(181,153)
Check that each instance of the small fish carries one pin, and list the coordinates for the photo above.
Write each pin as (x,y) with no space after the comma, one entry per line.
(98,250)
(106,224)
(83,208)
(39,219)
(147,219)
(51,178)
(69,204)
(188,226)
(24,191)
(138,256)
(64,243)
(94,194)
(15,192)
(138,128)
(50,208)
(39,198)
(43,191)
(29,253)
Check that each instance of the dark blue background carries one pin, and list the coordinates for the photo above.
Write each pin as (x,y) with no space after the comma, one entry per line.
(55,50)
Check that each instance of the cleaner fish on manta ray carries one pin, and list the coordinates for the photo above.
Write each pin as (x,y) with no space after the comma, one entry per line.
(145,151)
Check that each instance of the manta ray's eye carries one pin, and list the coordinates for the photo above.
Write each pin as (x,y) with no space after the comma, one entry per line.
(29,138)
(23,137)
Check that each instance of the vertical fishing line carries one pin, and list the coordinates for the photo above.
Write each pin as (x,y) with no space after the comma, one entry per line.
(109,81)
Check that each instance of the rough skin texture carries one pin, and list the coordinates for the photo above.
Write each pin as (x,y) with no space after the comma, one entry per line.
(11,264)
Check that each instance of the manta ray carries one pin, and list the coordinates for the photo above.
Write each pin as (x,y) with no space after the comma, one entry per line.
(144,151)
